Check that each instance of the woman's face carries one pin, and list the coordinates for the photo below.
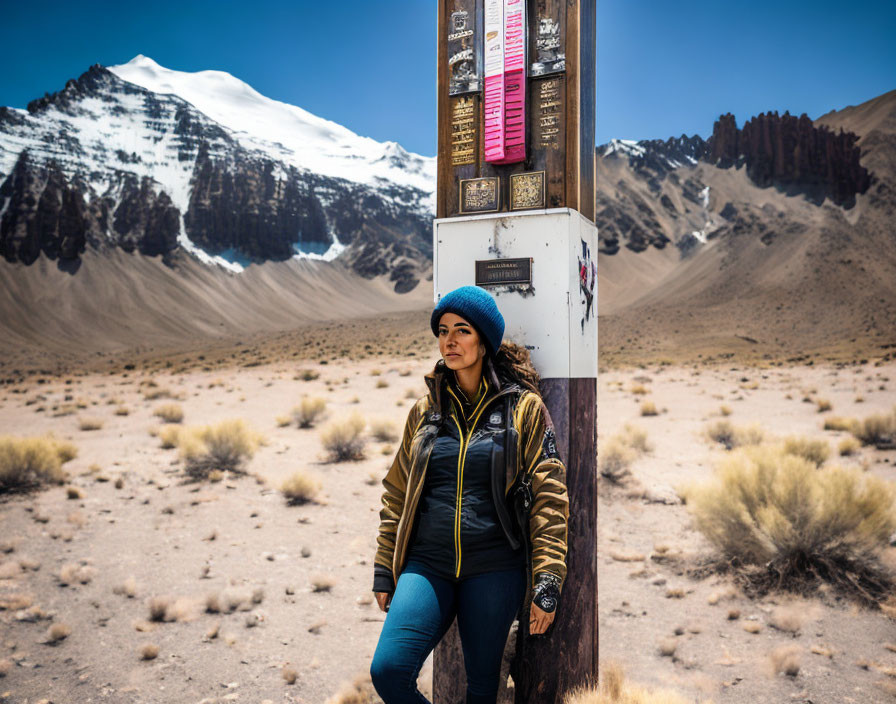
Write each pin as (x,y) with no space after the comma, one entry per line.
(459,343)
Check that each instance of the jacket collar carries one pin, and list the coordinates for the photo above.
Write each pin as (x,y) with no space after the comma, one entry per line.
(437,380)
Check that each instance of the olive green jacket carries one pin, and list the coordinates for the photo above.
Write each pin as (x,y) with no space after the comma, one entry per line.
(536,456)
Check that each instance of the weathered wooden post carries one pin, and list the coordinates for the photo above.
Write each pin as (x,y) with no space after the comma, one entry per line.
(515,214)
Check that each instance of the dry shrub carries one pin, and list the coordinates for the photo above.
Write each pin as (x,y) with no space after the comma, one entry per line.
(170,413)
(620,556)
(638,389)
(5,667)
(157,393)
(724,433)
(725,410)
(384,430)
(309,411)
(786,659)
(74,492)
(307,375)
(300,488)
(648,408)
(122,411)
(838,423)
(784,524)
(878,430)
(57,632)
(149,651)
(823,405)
(289,674)
(616,455)
(613,689)
(283,421)
(169,437)
(26,463)
(751,626)
(223,447)
(667,647)
(848,446)
(381,383)
(344,440)
(816,451)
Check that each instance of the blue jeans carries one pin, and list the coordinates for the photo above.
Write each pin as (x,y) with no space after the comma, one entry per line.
(423,608)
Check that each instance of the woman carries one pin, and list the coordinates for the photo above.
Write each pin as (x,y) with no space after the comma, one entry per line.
(452,539)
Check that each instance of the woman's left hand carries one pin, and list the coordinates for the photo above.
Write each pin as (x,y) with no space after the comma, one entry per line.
(539,620)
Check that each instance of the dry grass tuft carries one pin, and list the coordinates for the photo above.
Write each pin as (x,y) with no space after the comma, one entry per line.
(383,430)
(848,446)
(648,408)
(86,423)
(148,651)
(170,413)
(26,463)
(343,440)
(724,433)
(786,659)
(122,411)
(74,492)
(617,454)
(823,405)
(816,451)
(788,618)
(837,423)
(309,411)
(620,556)
(784,524)
(283,421)
(751,626)
(5,667)
(158,607)
(614,689)
(300,488)
(289,674)
(127,588)
(359,691)
(878,430)
(223,447)
(57,633)
(725,410)
(322,582)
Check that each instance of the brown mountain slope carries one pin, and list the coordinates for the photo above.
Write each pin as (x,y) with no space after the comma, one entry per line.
(778,277)
(118,301)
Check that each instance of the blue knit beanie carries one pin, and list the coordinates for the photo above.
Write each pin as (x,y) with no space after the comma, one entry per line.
(477,307)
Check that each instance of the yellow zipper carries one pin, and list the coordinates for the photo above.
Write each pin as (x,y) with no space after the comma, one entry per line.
(461,456)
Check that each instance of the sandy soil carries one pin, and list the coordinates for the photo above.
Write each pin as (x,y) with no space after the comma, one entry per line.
(235,537)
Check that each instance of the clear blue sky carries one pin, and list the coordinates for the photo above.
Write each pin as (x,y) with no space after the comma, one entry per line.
(664,68)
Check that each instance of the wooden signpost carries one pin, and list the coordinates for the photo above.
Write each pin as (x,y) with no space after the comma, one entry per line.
(515,214)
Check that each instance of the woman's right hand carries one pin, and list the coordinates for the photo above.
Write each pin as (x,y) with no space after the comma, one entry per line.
(383,599)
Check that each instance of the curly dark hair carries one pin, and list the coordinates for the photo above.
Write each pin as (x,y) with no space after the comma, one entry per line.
(512,362)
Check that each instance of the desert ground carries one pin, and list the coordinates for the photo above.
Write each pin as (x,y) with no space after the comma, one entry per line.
(129,583)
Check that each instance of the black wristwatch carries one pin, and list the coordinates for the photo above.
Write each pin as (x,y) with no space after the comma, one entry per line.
(546,593)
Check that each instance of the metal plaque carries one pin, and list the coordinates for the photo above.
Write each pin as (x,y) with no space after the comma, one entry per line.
(464,48)
(463,131)
(502,272)
(548,106)
(527,190)
(479,195)
(550,56)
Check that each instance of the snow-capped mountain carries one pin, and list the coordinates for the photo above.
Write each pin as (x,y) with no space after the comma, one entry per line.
(286,132)
(142,157)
